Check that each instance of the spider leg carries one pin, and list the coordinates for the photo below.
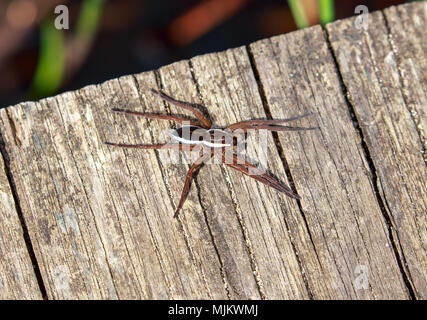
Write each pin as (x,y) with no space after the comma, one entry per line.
(186,188)
(267,180)
(242,165)
(257,171)
(153,146)
(187,106)
(247,123)
(158,116)
(276,128)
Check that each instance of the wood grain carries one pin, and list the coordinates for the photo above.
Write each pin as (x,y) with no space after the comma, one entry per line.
(17,277)
(347,228)
(187,258)
(101,225)
(376,90)
(100,218)
(228,88)
(406,26)
(214,199)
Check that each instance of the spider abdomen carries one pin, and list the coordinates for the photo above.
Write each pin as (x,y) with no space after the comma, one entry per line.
(192,135)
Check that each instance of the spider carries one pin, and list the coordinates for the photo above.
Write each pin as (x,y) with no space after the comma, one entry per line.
(210,138)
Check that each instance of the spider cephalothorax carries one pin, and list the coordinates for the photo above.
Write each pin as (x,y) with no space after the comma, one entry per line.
(199,134)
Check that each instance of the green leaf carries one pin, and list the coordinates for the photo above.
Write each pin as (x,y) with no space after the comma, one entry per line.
(298,14)
(326,8)
(50,67)
(87,23)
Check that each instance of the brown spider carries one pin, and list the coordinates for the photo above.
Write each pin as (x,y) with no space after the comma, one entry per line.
(211,139)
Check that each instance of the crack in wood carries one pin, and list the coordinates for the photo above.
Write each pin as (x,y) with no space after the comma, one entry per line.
(281,153)
(90,207)
(181,224)
(29,246)
(155,245)
(235,204)
(234,253)
(404,88)
(372,169)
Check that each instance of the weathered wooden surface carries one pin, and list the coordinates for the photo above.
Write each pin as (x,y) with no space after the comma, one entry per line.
(406,32)
(347,229)
(389,100)
(100,218)
(17,277)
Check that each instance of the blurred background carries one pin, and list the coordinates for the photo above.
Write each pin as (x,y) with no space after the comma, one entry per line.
(110,38)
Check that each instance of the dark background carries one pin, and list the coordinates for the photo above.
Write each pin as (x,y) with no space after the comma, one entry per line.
(133,36)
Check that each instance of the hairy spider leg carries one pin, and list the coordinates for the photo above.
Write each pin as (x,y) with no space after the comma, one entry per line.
(185,105)
(277,128)
(172,146)
(263,177)
(245,171)
(158,116)
(257,171)
(190,172)
(247,123)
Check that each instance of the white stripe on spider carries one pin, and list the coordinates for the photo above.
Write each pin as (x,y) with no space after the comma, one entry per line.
(194,135)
